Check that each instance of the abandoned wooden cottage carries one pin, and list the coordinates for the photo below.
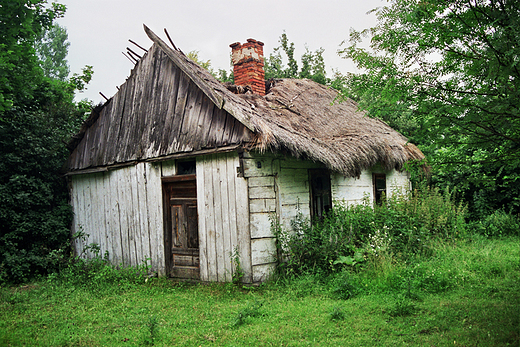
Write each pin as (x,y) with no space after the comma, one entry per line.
(185,171)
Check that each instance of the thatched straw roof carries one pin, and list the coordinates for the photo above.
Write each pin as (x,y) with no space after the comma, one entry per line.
(297,117)
(308,120)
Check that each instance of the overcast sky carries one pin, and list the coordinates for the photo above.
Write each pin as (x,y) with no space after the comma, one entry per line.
(99,30)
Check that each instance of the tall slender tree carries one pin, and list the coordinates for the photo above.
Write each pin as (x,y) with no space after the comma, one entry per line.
(52,48)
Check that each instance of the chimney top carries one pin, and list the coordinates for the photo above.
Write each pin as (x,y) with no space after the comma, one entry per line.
(248,65)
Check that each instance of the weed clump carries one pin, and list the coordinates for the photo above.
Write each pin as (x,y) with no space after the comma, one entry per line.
(364,236)
(250,311)
(96,272)
(337,314)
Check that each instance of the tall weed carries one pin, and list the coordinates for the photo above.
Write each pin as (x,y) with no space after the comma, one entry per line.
(402,228)
(97,273)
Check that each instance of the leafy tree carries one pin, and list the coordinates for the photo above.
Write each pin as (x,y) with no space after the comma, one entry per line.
(20,22)
(51,49)
(37,115)
(313,64)
(447,75)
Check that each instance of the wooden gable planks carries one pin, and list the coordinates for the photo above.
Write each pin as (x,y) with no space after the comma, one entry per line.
(114,116)
(178,114)
(191,112)
(158,111)
(170,100)
(205,124)
(158,103)
(145,90)
(185,67)
(126,149)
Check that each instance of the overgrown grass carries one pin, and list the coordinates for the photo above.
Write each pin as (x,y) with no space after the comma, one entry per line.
(467,293)
(408,273)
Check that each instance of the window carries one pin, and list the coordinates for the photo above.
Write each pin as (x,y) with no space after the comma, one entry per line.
(320,193)
(379,183)
(186,167)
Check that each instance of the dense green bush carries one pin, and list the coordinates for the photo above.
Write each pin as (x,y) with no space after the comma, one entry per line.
(37,117)
(499,223)
(352,236)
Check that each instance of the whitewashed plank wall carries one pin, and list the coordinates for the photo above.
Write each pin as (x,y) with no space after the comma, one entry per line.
(121,211)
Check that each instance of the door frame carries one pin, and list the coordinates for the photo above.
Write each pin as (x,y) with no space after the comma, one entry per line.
(168,252)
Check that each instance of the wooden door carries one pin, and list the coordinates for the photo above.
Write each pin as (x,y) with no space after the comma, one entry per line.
(182,233)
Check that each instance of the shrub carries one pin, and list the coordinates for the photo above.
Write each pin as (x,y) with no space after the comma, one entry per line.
(97,272)
(500,223)
(402,228)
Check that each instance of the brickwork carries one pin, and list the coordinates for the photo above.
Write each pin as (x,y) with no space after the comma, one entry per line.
(248,65)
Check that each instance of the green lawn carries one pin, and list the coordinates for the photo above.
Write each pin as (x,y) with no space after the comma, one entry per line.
(467,294)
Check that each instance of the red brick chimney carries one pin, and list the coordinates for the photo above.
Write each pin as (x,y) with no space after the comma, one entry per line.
(248,65)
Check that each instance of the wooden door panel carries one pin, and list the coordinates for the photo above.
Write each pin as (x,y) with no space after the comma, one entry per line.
(182,228)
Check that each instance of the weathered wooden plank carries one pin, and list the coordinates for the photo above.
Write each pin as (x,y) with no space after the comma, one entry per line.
(115,118)
(350,193)
(289,213)
(233,208)
(262,192)
(134,223)
(192,116)
(206,124)
(257,167)
(295,198)
(178,116)
(226,210)
(122,198)
(240,133)
(243,231)
(155,217)
(262,205)
(84,209)
(218,124)
(263,181)
(260,225)
(263,251)
(219,237)
(127,143)
(202,210)
(150,105)
(170,97)
(87,212)
(210,218)
(142,199)
(73,202)
(106,212)
(168,168)
(78,212)
(98,208)
(229,128)
(106,140)
(289,188)
(113,221)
